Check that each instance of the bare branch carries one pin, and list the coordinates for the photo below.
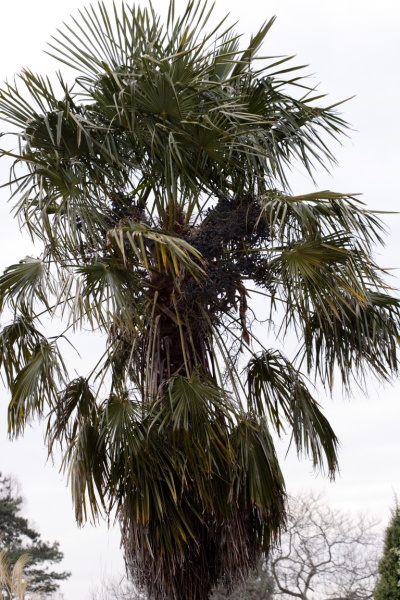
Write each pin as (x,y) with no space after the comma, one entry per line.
(325,553)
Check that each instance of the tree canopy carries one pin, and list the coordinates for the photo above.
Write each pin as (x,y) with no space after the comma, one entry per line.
(19,539)
(156,182)
(388,586)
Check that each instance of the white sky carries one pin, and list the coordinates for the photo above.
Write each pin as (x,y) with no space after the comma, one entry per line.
(352,46)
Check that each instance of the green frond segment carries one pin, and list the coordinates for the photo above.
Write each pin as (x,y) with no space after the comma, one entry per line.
(26,282)
(77,405)
(36,386)
(172,252)
(277,391)
(18,340)
(359,341)
(105,292)
(318,276)
(318,214)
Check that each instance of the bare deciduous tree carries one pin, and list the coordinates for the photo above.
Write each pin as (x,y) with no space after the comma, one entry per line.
(326,553)
(259,586)
(116,588)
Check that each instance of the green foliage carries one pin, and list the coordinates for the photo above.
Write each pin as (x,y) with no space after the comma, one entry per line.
(18,539)
(388,586)
(156,183)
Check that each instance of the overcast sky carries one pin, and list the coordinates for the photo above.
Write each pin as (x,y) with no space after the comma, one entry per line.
(352,47)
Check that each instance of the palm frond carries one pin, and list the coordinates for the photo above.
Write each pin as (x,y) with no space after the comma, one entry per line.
(170,251)
(25,282)
(18,342)
(358,340)
(277,390)
(105,289)
(77,405)
(35,386)
(319,214)
(319,277)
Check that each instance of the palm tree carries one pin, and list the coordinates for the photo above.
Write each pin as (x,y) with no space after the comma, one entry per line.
(157,186)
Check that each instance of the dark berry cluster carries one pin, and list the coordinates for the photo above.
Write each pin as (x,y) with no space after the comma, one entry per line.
(121,207)
(233,224)
(227,238)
